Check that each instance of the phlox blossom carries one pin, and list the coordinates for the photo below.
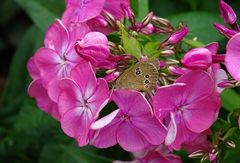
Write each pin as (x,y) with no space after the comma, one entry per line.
(133,125)
(58,57)
(188,107)
(81,98)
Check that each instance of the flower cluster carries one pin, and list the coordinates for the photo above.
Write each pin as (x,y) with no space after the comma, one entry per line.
(74,79)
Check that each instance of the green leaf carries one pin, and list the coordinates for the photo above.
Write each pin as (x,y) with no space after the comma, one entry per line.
(200,25)
(143,9)
(7,9)
(69,154)
(42,12)
(232,155)
(131,44)
(193,43)
(17,81)
(230,100)
(30,116)
(221,125)
(134,6)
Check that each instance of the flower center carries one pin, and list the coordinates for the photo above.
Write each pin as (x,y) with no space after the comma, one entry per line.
(124,117)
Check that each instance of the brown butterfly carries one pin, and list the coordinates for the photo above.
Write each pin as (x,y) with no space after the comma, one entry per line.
(142,76)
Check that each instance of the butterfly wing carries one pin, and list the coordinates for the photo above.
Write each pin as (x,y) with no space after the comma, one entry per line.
(141,77)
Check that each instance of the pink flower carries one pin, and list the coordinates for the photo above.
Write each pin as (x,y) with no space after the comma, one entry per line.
(81,98)
(158,154)
(156,157)
(82,10)
(58,57)
(132,125)
(37,91)
(93,47)
(227,13)
(198,58)
(189,106)
(85,10)
(232,59)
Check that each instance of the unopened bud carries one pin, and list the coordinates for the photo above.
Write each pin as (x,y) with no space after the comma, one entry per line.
(227,13)
(167,52)
(198,58)
(177,36)
(147,19)
(172,61)
(225,84)
(112,77)
(212,155)
(176,70)
(110,19)
(230,144)
(162,22)
(197,154)
(229,33)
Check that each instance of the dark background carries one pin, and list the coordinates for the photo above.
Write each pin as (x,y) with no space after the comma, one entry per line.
(27,134)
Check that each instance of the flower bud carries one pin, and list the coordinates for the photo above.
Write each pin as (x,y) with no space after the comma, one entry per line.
(198,58)
(230,144)
(177,70)
(110,19)
(225,31)
(148,29)
(225,84)
(162,22)
(227,13)
(177,36)
(112,76)
(167,52)
(212,155)
(93,47)
(147,19)
(197,154)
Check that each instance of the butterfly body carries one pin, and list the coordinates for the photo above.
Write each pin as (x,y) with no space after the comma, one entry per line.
(142,76)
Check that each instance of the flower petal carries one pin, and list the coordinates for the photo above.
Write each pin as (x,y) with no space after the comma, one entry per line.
(167,99)
(84,76)
(49,64)
(130,139)
(106,137)
(37,91)
(201,115)
(131,102)
(70,96)
(233,57)
(57,37)
(199,85)
(76,123)
(104,121)
(172,131)
(32,69)
(153,131)
(100,96)
(84,11)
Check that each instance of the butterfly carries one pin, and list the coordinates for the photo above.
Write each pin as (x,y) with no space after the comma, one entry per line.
(142,76)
